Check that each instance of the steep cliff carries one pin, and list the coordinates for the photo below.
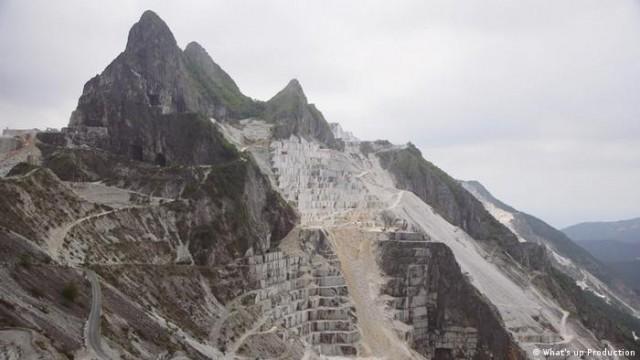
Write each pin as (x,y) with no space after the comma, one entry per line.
(413,173)
(566,255)
(576,279)
(154,101)
(450,318)
(264,232)
(293,115)
(217,86)
(218,211)
(36,203)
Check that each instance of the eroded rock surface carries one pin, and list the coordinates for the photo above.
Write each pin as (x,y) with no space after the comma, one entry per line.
(222,227)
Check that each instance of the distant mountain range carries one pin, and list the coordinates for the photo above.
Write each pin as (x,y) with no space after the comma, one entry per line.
(627,231)
(615,243)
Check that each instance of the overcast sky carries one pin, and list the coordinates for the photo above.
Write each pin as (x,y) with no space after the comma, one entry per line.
(539,100)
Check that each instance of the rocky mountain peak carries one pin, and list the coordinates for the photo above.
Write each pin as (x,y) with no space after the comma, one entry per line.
(259,216)
(292,114)
(195,49)
(292,94)
(154,88)
(476,187)
(210,71)
(150,31)
(294,87)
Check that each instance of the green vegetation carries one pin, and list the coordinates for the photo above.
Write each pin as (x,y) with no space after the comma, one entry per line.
(445,194)
(605,320)
(25,261)
(21,168)
(70,292)
(36,292)
(67,166)
(223,181)
(223,91)
(567,247)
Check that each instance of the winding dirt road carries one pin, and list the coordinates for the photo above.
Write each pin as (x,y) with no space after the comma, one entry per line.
(92,328)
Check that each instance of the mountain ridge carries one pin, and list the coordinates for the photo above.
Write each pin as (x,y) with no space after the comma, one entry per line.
(621,230)
(221,227)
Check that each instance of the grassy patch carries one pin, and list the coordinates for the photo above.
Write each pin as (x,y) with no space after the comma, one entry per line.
(69,292)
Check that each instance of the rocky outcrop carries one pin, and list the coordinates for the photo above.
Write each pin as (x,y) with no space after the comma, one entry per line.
(447,317)
(435,187)
(599,316)
(154,101)
(340,133)
(219,212)
(149,75)
(217,87)
(566,255)
(37,202)
(32,301)
(303,292)
(293,115)
(454,203)
(8,144)
(200,253)
(571,275)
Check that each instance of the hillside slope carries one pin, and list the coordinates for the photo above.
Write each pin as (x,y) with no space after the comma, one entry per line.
(202,224)
(627,231)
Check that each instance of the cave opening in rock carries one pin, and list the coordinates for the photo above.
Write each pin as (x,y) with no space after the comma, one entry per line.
(181,106)
(443,354)
(161,160)
(154,99)
(136,152)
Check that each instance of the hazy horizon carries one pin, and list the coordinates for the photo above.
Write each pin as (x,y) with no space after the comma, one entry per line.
(536,100)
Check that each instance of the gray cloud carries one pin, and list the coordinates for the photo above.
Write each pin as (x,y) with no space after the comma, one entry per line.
(536,99)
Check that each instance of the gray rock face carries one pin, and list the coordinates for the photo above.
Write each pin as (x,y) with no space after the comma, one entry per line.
(220,211)
(413,173)
(537,231)
(447,316)
(202,257)
(154,100)
(307,295)
(153,89)
(33,204)
(151,73)
(564,266)
(293,115)
(8,144)
(217,87)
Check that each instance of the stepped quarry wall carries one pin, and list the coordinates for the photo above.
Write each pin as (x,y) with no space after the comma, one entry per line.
(301,296)
(8,144)
(425,289)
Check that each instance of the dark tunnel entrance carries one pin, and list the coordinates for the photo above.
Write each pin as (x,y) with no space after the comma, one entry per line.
(161,160)
(136,152)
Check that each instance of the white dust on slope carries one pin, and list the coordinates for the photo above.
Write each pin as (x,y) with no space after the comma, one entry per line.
(343,189)
(362,275)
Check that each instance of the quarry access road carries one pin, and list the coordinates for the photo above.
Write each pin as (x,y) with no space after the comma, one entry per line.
(92,328)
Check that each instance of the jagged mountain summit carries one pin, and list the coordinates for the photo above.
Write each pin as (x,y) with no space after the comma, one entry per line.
(292,114)
(153,90)
(178,218)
